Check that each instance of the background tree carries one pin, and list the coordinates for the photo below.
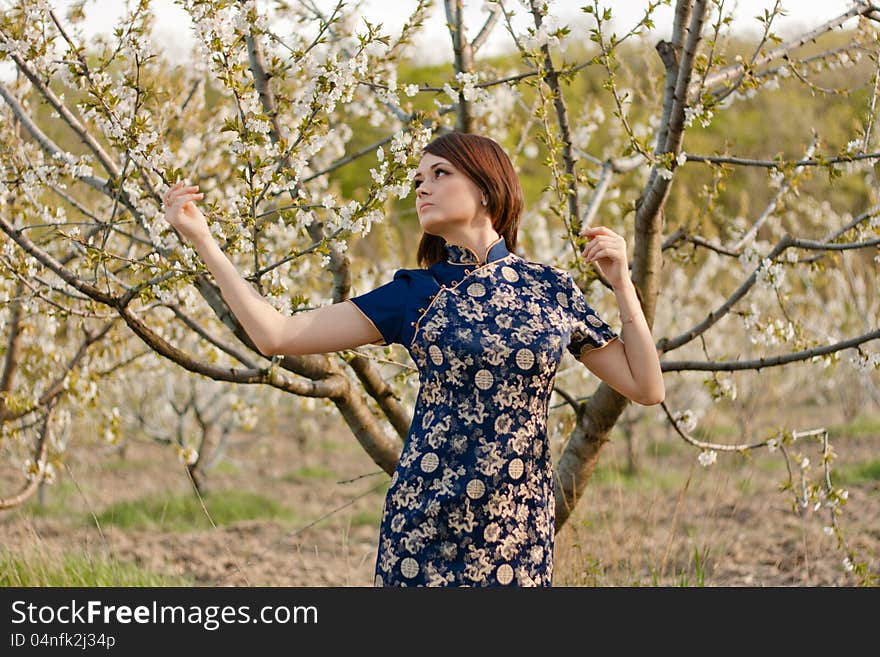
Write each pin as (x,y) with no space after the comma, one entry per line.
(756,269)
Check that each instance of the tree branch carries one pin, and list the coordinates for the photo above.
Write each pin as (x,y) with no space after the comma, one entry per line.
(778,164)
(103,157)
(463,59)
(731,72)
(486,30)
(40,454)
(551,77)
(773,361)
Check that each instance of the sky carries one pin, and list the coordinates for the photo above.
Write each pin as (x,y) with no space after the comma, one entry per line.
(174,33)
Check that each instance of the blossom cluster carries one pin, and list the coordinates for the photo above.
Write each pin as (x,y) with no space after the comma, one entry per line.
(686,420)
(467,87)
(865,361)
(39,470)
(770,274)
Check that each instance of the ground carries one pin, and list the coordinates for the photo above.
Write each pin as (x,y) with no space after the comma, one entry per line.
(676,523)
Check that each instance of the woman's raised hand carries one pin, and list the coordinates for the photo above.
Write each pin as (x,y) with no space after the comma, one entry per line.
(607,250)
(182,213)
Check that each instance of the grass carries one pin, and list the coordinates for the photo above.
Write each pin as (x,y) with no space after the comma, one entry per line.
(329,445)
(859,473)
(309,472)
(225,468)
(682,578)
(40,569)
(662,448)
(644,479)
(372,518)
(745,486)
(699,570)
(624,537)
(117,464)
(185,512)
(589,571)
(59,498)
(860,427)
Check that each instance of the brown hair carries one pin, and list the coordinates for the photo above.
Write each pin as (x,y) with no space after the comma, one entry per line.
(482,160)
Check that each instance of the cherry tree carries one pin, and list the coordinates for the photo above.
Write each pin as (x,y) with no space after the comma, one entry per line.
(263,117)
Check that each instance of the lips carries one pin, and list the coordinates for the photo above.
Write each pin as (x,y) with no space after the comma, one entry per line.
(424,205)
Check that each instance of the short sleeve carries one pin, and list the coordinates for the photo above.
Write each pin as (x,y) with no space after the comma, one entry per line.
(385,306)
(588,330)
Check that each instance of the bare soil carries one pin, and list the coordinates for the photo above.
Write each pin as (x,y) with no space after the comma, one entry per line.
(675,523)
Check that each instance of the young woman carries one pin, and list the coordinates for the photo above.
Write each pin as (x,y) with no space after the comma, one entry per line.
(471,501)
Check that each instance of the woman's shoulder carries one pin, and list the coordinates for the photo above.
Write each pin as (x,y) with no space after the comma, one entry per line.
(415,274)
(414,280)
(546,271)
(404,273)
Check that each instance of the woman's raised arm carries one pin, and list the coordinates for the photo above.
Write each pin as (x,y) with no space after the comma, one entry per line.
(322,330)
(631,365)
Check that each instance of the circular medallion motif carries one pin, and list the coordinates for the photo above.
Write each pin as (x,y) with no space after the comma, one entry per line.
(430,461)
(509,274)
(504,574)
(484,379)
(409,567)
(525,358)
(562,299)
(379,581)
(436,354)
(476,289)
(595,321)
(475,489)
(515,468)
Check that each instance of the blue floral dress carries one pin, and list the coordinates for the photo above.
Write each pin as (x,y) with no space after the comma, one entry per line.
(471,502)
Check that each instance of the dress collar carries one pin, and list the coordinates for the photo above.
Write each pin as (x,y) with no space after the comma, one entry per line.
(456,254)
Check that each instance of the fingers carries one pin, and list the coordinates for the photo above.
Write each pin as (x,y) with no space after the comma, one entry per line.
(175,191)
(599,254)
(597,242)
(181,190)
(188,197)
(602,247)
(176,203)
(591,231)
(182,199)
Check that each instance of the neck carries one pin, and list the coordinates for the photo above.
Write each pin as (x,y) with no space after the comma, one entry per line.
(477,241)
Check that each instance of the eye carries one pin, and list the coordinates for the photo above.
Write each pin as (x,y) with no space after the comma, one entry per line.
(437,172)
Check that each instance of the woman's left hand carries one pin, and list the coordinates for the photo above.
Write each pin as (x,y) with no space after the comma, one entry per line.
(607,250)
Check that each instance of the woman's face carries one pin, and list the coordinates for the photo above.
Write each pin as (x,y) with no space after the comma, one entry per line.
(445,197)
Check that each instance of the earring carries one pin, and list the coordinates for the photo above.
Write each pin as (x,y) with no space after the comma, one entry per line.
(484,201)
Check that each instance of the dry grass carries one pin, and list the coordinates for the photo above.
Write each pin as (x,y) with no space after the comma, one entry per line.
(675,523)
